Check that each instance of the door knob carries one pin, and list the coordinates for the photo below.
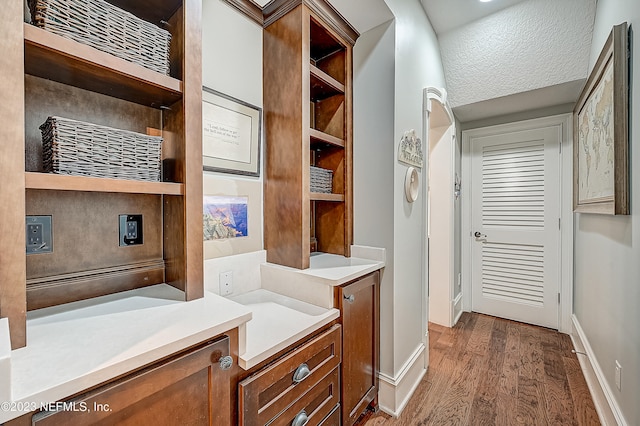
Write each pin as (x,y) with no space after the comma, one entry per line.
(479,235)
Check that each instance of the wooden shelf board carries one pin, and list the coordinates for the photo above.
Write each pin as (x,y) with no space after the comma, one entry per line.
(319,136)
(323,85)
(319,196)
(56,58)
(35,180)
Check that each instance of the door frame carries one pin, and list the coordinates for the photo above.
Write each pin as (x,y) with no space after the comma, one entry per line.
(565,123)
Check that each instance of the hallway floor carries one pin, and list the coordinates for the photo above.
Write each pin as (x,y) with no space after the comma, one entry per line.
(491,371)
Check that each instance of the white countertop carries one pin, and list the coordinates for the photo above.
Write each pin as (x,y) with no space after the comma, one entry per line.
(315,284)
(79,345)
(278,321)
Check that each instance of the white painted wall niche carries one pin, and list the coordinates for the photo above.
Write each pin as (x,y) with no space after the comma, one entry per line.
(441,145)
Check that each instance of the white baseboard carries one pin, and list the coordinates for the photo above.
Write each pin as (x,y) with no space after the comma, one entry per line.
(606,405)
(395,392)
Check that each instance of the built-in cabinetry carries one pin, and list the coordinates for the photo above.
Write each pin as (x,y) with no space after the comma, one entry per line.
(301,387)
(65,78)
(308,122)
(190,388)
(359,304)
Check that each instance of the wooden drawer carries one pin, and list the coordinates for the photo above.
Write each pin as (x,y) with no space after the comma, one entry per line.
(190,389)
(315,405)
(333,419)
(273,390)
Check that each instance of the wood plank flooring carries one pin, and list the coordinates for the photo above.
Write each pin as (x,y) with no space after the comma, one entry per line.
(492,371)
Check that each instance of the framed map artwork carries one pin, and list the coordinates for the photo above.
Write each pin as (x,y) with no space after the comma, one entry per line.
(601,132)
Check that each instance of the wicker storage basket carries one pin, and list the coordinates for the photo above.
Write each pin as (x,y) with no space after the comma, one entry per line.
(321,180)
(105,27)
(77,148)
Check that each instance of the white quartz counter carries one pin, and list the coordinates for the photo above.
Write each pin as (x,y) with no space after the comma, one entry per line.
(278,322)
(76,346)
(315,284)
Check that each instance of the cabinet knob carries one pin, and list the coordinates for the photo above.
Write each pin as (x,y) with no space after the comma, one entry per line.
(301,373)
(351,298)
(300,419)
(226,362)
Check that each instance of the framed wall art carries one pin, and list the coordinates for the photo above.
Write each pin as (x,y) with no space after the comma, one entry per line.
(601,132)
(231,132)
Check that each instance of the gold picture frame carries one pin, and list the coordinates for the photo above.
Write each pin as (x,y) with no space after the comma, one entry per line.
(601,132)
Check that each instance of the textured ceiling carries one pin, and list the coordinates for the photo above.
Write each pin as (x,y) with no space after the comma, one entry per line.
(529,46)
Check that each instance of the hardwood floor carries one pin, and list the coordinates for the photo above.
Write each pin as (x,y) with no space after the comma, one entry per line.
(492,371)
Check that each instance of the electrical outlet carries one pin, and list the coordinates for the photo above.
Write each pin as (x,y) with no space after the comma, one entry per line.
(226,283)
(130,229)
(39,238)
(618,376)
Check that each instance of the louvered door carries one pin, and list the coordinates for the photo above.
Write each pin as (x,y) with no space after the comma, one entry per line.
(515,213)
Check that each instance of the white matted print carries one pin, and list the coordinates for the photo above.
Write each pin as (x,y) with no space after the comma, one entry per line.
(231,131)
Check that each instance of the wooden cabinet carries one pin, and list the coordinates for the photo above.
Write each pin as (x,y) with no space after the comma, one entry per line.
(191,388)
(69,79)
(308,122)
(359,304)
(301,387)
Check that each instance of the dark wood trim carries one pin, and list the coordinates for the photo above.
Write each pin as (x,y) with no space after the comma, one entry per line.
(193,149)
(250,9)
(12,158)
(276,9)
(65,288)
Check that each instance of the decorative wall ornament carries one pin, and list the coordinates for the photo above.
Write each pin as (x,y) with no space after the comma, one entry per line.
(411,185)
(410,149)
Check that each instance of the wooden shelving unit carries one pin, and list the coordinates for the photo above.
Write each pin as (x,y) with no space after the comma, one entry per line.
(308,123)
(34,180)
(51,56)
(69,79)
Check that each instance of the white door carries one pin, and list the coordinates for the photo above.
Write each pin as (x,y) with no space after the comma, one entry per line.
(515,203)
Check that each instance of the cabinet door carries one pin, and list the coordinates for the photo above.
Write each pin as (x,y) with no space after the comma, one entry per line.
(190,389)
(359,304)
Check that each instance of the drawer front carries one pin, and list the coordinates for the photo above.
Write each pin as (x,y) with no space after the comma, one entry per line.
(266,394)
(173,392)
(313,407)
(333,419)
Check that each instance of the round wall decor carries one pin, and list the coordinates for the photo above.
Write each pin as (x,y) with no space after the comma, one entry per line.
(411,184)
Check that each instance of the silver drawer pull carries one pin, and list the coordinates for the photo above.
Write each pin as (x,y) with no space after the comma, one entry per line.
(301,373)
(226,362)
(300,419)
(350,298)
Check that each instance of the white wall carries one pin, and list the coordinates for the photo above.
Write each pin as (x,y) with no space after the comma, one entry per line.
(607,249)
(418,65)
(373,165)
(393,63)
(441,215)
(232,64)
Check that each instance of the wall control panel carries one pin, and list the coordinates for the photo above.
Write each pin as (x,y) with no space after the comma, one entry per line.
(130,230)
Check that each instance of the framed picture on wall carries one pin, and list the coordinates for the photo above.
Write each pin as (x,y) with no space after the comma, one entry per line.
(231,132)
(601,132)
